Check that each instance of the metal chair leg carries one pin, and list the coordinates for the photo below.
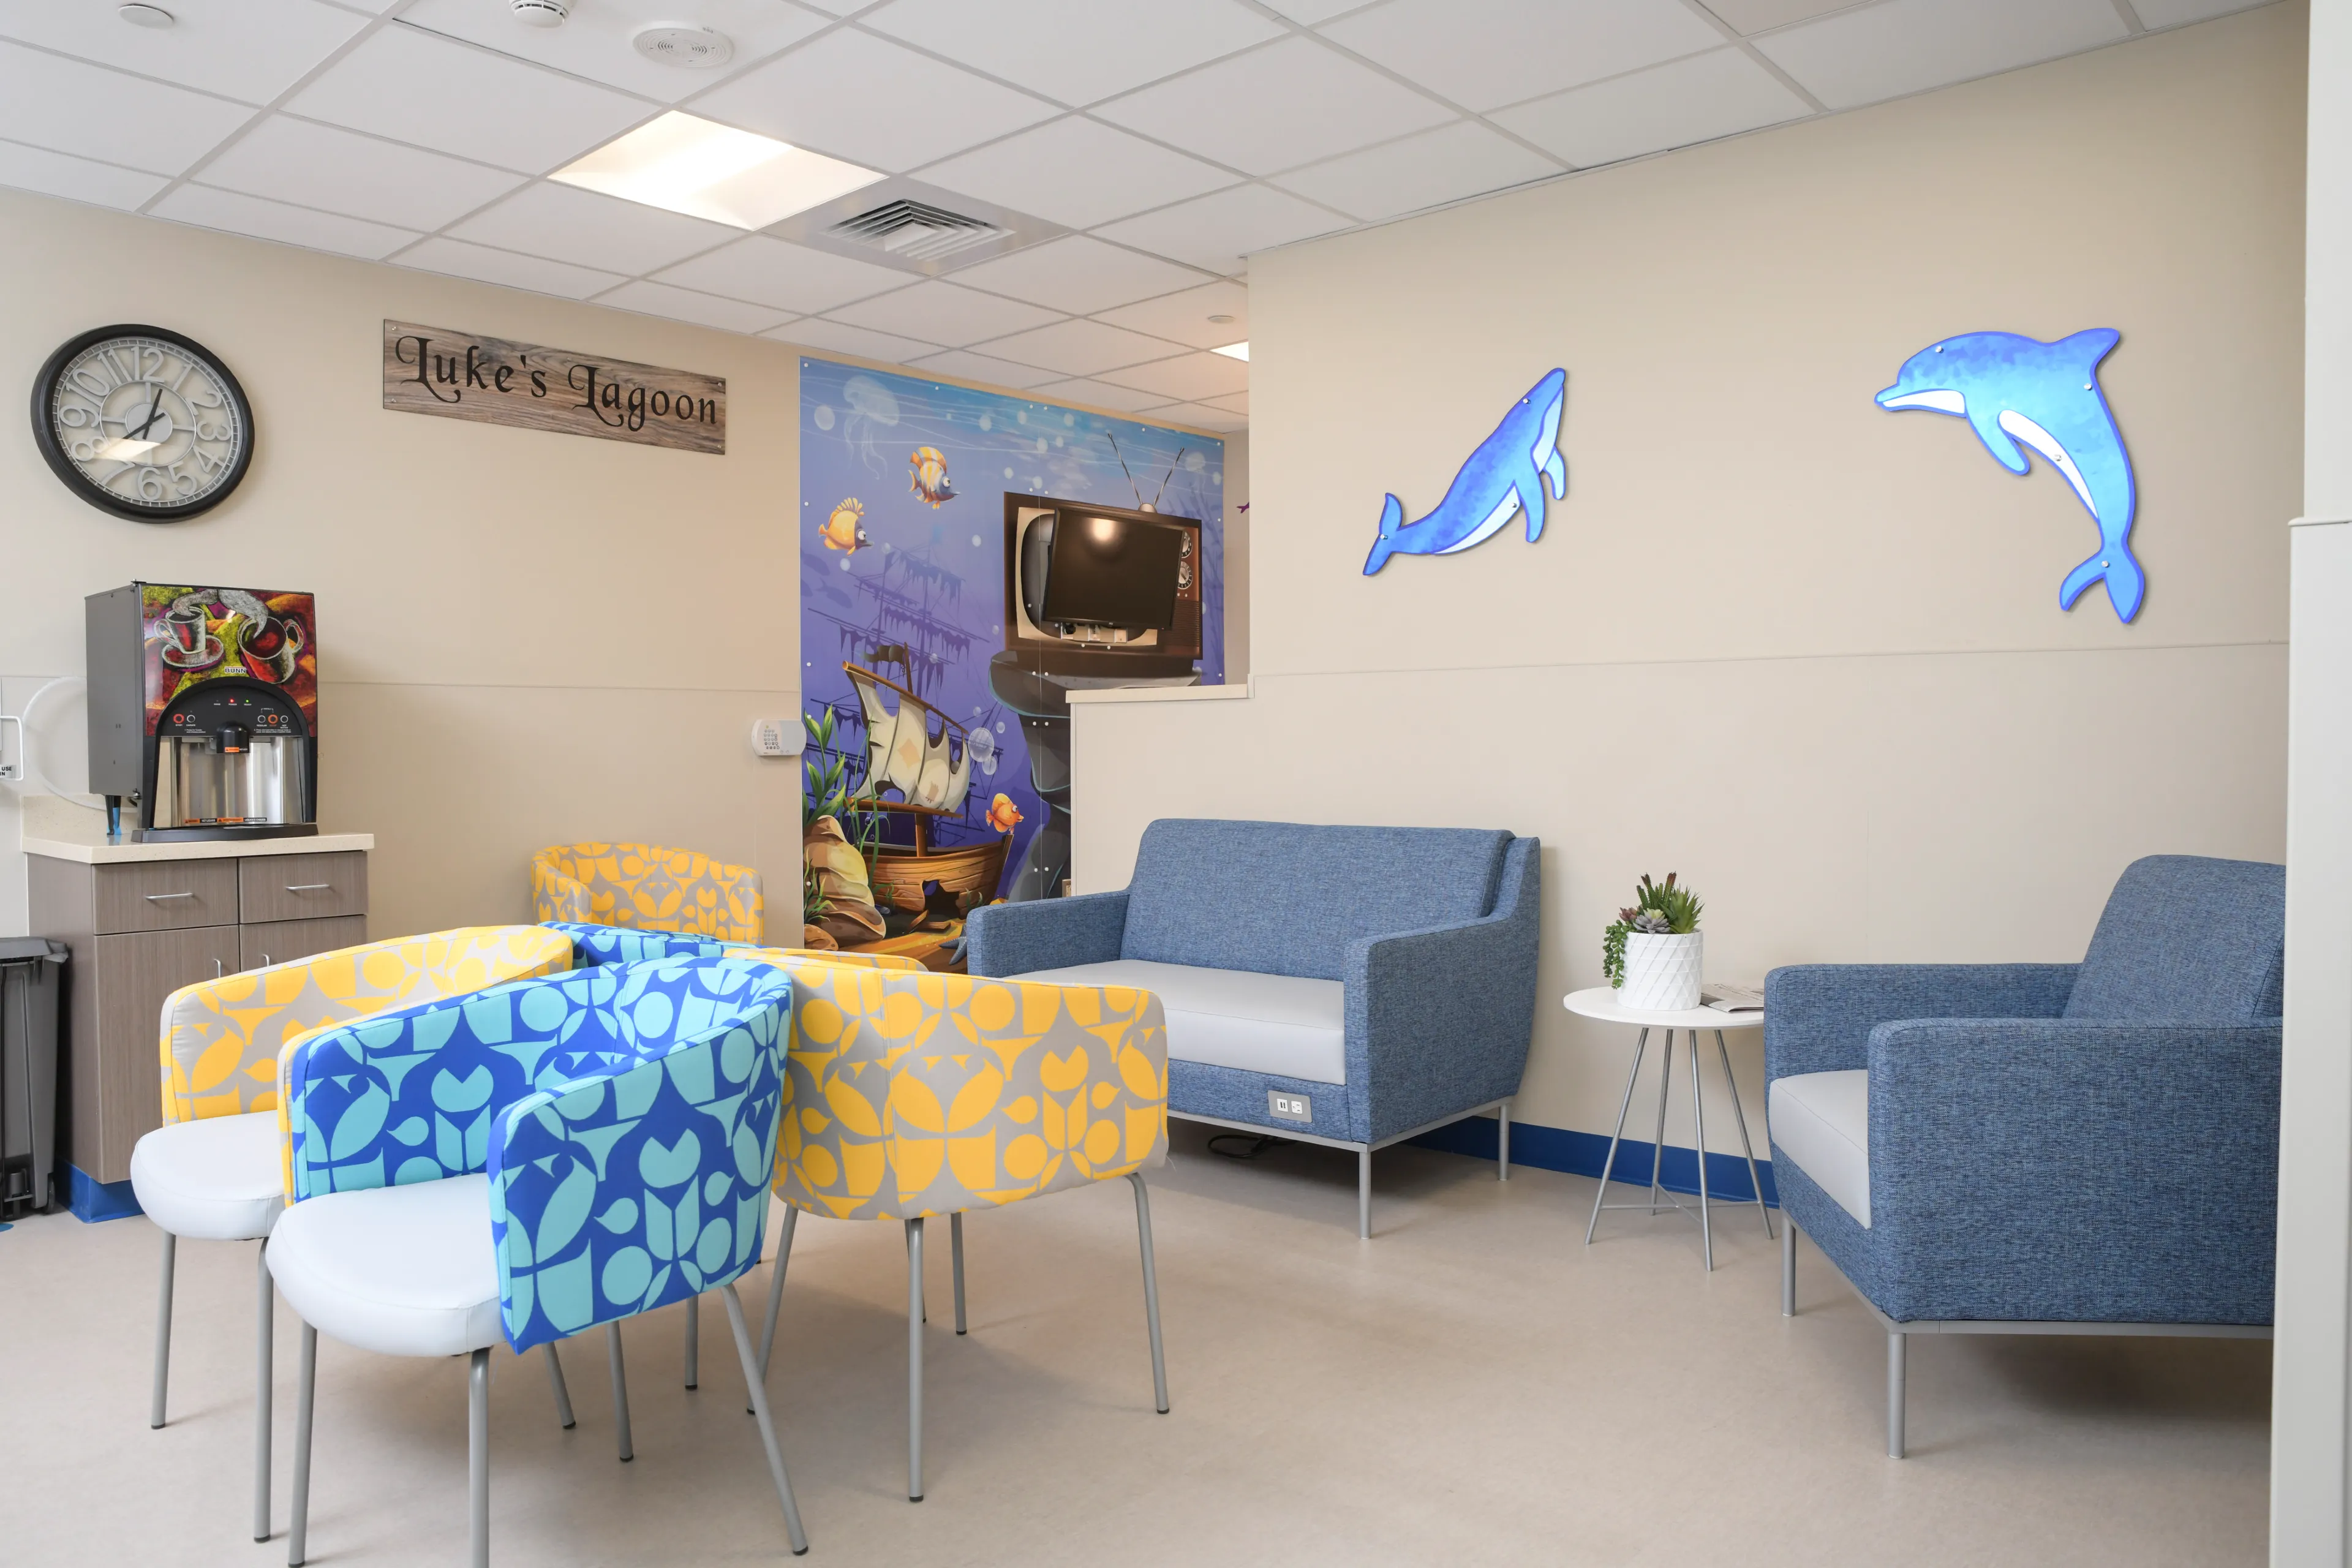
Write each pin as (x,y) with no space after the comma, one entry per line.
(1895,1381)
(1658,1149)
(1788,1267)
(265,1354)
(1740,1116)
(1151,1292)
(478,1455)
(298,1530)
(775,1297)
(620,1390)
(563,1391)
(1503,1142)
(753,1380)
(1363,1195)
(1698,1133)
(693,1339)
(915,1360)
(955,1251)
(1641,1045)
(164,1332)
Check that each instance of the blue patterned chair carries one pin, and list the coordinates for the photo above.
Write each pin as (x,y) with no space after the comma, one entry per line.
(530,1161)
(1379,980)
(2045,1148)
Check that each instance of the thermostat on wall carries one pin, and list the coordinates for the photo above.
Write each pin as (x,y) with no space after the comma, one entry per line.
(775,738)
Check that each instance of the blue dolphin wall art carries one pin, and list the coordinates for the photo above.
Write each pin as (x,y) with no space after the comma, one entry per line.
(1503,477)
(2012,389)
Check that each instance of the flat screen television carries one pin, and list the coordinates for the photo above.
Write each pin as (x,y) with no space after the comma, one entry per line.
(1088,568)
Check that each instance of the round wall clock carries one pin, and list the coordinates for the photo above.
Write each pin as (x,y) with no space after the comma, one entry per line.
(143,422)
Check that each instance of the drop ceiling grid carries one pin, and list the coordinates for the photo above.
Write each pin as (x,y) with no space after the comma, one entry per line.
(1393,128)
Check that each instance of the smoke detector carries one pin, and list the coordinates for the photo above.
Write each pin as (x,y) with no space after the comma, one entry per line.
(541,13)
(684,44)
(145,15)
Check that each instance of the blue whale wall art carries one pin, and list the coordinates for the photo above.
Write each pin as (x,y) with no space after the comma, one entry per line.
(1503,477)
(2013,389)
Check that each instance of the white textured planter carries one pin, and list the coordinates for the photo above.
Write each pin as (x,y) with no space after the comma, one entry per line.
(1662,973)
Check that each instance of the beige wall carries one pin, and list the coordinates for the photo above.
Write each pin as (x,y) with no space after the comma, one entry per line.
(526,638)
(1805,652)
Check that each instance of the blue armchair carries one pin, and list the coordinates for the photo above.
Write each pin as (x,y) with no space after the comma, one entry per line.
(1349,986)
(2045,1148)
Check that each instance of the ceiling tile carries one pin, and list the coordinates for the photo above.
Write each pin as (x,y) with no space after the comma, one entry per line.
(1185,317)
(1290,103)
(1194,375)
(1695,100)
(1483,53)
(981,367)
(2173,13)
(573,224)
(340,170)
(249,49)
(1442,166)
(790,277)
(1103,394)
(1237,402)
(1077,51)
(1081,348)
(1220,231)
(1077,274)
(840,337)
(1200,415)
(1310,12)
(838,7)
(76,179)
(855,96)
(276,220)
(1908,46)
(1057,172)
(66,106)
(415,86)
(686,305)
(595,42)
(484,265)
(942,313)
(1756,15)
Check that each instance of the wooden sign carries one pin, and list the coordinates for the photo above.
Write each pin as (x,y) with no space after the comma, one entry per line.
(464,375)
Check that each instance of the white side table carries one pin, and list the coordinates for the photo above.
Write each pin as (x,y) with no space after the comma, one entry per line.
(1600,1003)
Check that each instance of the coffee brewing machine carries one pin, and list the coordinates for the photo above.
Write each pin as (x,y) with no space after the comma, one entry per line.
(203,711)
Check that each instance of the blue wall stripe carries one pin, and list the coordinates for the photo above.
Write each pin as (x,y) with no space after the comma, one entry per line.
(1582,1154)
(94,1200)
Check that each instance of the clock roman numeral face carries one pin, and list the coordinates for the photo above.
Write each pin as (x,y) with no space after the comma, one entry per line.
(147,424)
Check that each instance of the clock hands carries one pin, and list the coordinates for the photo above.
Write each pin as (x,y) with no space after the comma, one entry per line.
(153,408)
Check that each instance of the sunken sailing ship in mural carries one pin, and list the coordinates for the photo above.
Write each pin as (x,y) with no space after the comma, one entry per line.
(926,757)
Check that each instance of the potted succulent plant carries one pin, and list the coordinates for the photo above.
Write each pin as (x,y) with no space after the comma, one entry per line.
(1653,953)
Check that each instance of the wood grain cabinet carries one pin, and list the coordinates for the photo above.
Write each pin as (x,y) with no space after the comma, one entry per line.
(140,930)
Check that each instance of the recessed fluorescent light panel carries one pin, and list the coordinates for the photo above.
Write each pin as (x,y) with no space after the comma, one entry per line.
(1239,350)
(695,166)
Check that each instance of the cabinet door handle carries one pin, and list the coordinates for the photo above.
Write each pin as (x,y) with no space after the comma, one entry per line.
(217,969)
(307,887)
(159,897)
(265,960)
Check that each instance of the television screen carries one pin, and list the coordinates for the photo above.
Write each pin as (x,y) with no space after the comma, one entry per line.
(1111,571)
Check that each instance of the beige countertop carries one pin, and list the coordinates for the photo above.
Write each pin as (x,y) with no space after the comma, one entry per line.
(61,830)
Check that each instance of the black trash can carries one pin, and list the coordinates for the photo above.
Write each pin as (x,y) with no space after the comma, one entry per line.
(32,978)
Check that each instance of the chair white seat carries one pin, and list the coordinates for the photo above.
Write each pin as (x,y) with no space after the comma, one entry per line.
(1276,1024)
(398,1270)
(221,1178)
(1822,1122)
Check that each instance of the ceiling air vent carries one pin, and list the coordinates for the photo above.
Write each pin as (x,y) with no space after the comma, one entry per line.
(916,230)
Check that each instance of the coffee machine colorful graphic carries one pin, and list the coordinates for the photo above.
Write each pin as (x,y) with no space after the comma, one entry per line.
(204,710)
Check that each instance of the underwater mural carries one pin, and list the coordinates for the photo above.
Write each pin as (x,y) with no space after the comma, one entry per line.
(2013,389)
(903,483)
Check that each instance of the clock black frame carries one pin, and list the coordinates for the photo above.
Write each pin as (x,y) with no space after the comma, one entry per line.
(45,385)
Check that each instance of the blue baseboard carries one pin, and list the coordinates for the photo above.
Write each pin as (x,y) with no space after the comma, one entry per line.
(1583,1154)
(94,1200)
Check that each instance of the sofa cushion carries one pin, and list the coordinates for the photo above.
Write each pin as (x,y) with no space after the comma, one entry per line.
(1821,1121)
(1234,1018)
(2186,939)
(1283,898)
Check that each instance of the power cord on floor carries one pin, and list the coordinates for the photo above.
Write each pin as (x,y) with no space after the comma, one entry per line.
(1258,1143)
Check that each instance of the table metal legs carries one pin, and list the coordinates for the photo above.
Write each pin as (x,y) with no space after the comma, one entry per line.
(1617,1136)
(1754,1181)
(1659,1198)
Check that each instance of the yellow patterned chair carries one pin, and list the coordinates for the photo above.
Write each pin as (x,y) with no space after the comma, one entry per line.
(215,1169)
(645,888)
(908,1096)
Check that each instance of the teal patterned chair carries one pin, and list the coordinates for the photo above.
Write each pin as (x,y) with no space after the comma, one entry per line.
(529,1162)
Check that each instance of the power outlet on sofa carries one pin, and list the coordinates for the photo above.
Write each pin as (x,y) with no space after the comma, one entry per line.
(1288,1107)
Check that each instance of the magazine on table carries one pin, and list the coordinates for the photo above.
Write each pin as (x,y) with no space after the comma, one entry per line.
(1725,998)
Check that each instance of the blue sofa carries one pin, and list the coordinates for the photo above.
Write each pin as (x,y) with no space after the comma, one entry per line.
(2045,1148)
(1372,983)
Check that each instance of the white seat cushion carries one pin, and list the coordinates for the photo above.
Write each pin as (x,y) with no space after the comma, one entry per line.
(400,1270)
(1235,1017)
(219,1178)
(1821,1121)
